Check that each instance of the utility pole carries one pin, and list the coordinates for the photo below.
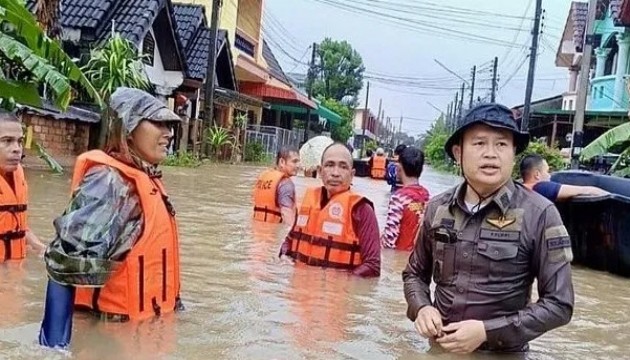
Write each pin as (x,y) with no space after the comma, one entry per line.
(454,119)
(472,87)
(387,131)
(493,95)
(400,125)
(532,67)
(310,79)
(582,91)
(461,104)
(378,119)
(210,71)
(365,117)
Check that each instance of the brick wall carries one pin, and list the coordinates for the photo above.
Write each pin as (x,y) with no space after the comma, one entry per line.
(59,137)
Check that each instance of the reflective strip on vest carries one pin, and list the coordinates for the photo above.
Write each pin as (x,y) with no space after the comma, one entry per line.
(325,237)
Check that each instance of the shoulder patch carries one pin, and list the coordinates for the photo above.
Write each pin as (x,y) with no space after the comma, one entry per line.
(558,244)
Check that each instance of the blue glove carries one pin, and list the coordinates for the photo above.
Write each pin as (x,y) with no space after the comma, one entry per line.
(56,329)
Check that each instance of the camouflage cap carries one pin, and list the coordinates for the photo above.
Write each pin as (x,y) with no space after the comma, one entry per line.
(134,105)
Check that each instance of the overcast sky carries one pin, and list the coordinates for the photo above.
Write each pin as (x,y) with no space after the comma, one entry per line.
(458,33)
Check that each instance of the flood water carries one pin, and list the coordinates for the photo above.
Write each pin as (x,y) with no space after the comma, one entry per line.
(242,303)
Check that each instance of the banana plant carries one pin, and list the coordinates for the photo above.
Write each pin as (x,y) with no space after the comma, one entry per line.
(29,59)
(613,138)
(217,138)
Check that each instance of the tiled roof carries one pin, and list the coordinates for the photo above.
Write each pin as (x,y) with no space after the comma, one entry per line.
(131,18)
(194,34)
(579,15)
(189,18)
(274,67)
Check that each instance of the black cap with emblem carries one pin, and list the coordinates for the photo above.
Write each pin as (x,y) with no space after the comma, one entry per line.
(493,115)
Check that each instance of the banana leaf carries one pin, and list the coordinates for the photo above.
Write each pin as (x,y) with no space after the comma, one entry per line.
(26,30)
(606,141)
(21,92)
(39,68)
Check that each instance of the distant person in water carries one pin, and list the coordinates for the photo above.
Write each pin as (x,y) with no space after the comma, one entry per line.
(274,191)
(535,173)
(336,228)
(392,169)
(406,205)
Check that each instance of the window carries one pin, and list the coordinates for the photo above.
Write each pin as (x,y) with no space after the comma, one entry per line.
(148,49)
(570,104)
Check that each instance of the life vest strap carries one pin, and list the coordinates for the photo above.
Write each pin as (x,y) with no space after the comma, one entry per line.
(267,211)
(12,235)
(318,262)
(13,208)
(328,243)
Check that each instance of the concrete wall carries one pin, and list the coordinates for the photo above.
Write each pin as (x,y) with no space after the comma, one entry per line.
(165,81)
(59,137)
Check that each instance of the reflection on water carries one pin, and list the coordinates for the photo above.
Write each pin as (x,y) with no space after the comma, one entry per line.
(244,303)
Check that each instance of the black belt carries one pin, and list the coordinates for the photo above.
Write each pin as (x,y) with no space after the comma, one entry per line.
(267,211)
(13,208)
(9,236)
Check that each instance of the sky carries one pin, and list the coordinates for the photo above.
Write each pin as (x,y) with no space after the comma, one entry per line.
(402,39)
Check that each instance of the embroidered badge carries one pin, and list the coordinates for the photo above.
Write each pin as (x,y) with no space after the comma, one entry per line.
(501,222)
(335,211)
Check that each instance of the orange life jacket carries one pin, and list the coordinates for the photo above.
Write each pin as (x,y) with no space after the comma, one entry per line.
(148,281)
(379,167)
(325,236)
(265,207)
(13,216)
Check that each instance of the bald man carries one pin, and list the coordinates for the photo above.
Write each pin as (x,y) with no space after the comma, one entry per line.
(335,227)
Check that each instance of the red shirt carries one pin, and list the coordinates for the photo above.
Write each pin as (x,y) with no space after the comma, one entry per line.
(404,216)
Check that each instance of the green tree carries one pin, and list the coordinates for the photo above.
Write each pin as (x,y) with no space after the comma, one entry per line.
(552,155)
(616,140)
(29,58)
(343,131)
(340,71)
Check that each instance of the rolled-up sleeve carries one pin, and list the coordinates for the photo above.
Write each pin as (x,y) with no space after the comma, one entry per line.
(554,308)
(100,226)
(417,274)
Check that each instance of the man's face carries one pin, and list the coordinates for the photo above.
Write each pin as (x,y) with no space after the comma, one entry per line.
(542,174)
(487,156)
(11,143)
(290,165)
(336,169)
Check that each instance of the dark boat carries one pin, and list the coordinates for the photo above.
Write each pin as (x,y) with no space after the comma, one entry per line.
(599,226)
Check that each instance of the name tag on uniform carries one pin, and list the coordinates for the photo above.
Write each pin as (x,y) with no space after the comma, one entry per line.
(302,220)
(332,228)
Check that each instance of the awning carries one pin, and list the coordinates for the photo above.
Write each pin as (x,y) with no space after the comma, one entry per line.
(234,98)
(271,93)
(322,111)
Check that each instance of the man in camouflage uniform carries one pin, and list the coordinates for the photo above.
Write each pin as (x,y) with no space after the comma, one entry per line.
(483,243)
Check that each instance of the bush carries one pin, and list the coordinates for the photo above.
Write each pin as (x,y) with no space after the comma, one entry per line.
(255,152)
(182,159)
(553,156)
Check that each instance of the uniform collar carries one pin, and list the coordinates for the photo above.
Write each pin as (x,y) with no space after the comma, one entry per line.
(502,199)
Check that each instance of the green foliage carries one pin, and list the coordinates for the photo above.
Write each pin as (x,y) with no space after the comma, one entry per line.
(217,138)
(616,139)
(255,152)
(116,64)
(182,159)
(343,131)
(552,155)
(28,58)
(371,145)
(433,145)
(52,163)
(340,72)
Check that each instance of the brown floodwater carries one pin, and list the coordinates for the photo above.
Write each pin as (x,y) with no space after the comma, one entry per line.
(243,303)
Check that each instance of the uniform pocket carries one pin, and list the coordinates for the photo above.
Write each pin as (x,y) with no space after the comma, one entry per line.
(496,263)
(444,263)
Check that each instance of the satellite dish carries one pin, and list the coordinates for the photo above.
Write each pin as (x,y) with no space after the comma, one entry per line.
(569,137)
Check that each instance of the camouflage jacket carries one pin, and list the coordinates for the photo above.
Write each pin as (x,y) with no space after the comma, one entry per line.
(98,228)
